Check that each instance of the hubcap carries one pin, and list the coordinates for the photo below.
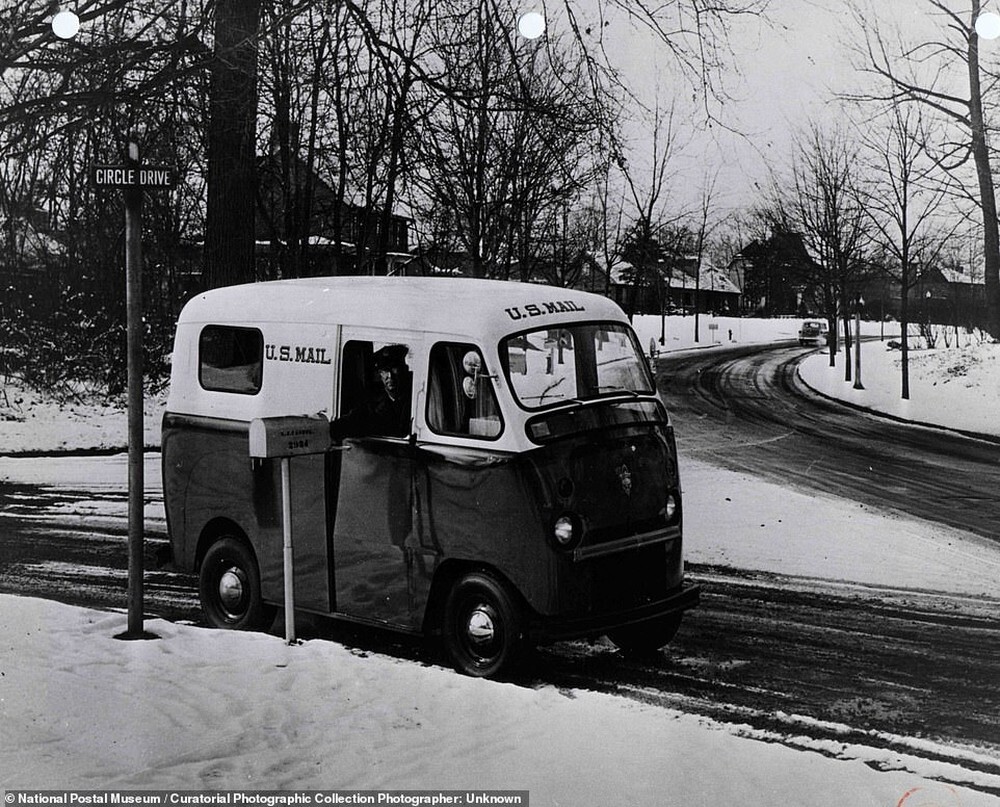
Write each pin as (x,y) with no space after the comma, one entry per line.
(480,627)
(231,590)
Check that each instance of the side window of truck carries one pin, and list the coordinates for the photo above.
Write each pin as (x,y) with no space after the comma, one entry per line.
(376,389)
(460,395)
(231,359)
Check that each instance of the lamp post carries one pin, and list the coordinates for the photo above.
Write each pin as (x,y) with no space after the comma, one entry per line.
(858,302)
(664,292)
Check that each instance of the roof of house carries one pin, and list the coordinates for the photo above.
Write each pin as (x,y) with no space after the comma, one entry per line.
(711,278)
(952,275)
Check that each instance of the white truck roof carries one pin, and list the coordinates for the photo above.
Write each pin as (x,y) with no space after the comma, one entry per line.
(486,308)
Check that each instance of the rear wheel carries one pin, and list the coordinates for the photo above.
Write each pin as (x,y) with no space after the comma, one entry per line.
(482,626)
(230,590)
(646,637)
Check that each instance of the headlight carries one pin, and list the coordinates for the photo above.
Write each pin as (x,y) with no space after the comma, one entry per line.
(563,531)
(670,508)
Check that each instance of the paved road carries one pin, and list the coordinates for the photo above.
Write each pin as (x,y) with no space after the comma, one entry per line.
(747,410)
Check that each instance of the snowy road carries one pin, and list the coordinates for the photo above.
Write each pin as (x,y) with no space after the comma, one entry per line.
(833,662)
(64,532)
(747,410)
(790,658)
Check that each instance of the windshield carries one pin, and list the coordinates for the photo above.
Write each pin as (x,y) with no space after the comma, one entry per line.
(576,363)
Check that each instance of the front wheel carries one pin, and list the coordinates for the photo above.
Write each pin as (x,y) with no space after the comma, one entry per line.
(646,637)
(229,586)
(483,631)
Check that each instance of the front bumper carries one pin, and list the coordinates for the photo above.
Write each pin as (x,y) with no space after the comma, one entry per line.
(552,629)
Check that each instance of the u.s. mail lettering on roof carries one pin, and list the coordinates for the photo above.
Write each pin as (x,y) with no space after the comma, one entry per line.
(125,176)
(538,309)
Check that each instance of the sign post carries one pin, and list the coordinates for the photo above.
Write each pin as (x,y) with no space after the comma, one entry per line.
(132,178)
(136,440)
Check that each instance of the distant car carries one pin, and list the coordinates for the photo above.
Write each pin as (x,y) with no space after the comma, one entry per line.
(814,332)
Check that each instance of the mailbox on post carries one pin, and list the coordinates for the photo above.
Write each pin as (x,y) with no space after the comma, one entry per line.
(289,436)
(283,438)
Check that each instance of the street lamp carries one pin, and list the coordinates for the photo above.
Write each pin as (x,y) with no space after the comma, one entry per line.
(65,24)
(664,296)
(859,301)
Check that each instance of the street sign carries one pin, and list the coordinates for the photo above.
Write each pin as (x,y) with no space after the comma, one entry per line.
(132,176)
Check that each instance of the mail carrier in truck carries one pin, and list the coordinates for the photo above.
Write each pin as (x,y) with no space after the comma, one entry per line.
(531,493)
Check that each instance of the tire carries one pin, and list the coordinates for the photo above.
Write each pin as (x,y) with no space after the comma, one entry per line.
(483,630)
(229,587)
(646,637)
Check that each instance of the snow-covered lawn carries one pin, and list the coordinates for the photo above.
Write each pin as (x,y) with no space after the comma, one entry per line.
(199,709)
(30,422)
(949,387)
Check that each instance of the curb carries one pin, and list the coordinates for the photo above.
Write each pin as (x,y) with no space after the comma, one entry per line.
(989,438)
(74,452)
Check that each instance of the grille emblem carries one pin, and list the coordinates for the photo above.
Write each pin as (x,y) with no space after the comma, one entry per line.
(625,477)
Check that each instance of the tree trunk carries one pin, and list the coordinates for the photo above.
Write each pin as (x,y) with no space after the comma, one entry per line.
(981,154)
(847,343)
(904,328)
(384,243)
(232,154)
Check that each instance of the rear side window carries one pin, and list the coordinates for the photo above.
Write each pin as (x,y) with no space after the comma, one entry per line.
(231,359)
(460,396)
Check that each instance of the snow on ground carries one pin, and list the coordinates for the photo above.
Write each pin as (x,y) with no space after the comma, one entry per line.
(949,387)
(30,422)
(199,709)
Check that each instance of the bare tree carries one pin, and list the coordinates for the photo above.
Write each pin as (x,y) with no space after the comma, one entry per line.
(924,73)
(63,107)
(608,217)
(703,228)
(903,200)
(823,205)
(648,191)
(226,40)
(509,144)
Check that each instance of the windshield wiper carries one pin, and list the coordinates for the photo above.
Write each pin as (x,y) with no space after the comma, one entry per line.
(613,388)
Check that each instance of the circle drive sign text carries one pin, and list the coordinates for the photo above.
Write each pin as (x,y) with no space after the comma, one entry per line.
(123,176)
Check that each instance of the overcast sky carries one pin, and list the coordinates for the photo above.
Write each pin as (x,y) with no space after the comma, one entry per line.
(789,71)
(786,72)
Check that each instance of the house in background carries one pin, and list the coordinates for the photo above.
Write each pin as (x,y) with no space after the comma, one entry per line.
(685,285)
(946,295)
(332,237)
(775,277)
(952,296)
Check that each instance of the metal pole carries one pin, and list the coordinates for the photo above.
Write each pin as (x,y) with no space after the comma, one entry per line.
(286,525)
(857,347)
(136,490)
